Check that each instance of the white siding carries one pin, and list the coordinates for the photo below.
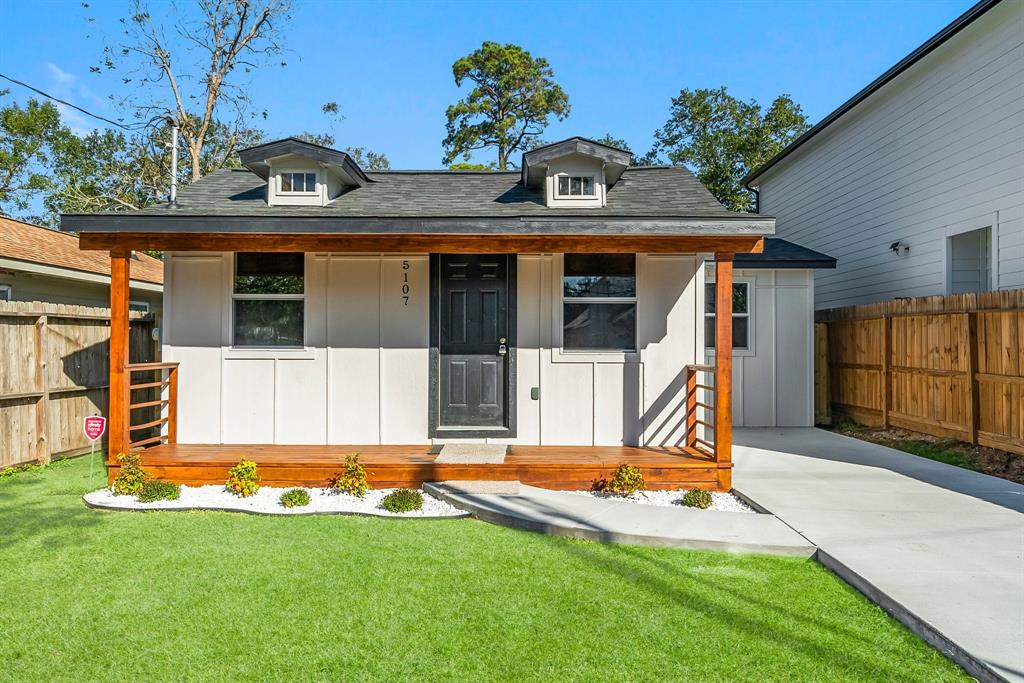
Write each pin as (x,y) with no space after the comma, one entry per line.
(773,382)
(363,378)
(936,152)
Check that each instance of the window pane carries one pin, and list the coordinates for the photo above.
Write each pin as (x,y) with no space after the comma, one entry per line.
(600,275)
(709,331)
(599,326)
(709,297)
(269,273)
(739,298)
(311,182)
(588,185)
(563,184)
(576,186)
(739,332)
(286,182)
(268,322)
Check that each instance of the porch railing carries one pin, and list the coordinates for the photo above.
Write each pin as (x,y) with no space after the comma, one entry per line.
(166,379)
(700,408)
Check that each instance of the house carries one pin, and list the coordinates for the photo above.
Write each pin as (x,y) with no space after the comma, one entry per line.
(551,318)
(39,264)
(916,184)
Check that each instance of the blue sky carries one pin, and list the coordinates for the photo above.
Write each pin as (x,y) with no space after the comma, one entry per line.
(388,64)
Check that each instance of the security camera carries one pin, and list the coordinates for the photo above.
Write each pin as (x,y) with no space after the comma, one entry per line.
(900,248)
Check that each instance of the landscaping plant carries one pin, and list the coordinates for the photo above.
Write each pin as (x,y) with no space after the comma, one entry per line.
(131,477)
(402,500)
(159,489)
(352,480)
(243,479)
(626,480)
(295,498)
(697,498)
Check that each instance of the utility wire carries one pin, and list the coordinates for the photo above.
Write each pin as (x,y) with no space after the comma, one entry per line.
(75,106)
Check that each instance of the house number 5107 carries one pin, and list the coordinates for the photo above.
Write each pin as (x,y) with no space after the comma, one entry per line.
(405,282)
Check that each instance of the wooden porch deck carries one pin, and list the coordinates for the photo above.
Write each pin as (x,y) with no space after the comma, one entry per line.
(554,467)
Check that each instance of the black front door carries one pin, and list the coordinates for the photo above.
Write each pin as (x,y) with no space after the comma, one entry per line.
(473,341)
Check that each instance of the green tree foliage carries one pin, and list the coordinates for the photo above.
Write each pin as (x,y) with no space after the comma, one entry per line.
(513,96)
(466,166)
(612,141)
(27,135)
(722,139)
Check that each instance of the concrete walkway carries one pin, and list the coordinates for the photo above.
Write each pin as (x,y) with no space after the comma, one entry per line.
(939,547)
(610,521)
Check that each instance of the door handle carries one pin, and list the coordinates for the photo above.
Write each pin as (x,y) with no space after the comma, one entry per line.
(502,349)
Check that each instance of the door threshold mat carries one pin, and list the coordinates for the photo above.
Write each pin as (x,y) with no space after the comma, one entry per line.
(436,449)
(472,454)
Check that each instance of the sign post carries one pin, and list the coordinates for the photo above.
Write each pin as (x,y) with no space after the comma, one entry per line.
(94,426)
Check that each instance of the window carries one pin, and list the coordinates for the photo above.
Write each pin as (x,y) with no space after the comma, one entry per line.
(599,302)
(6,293)
(140,306)
(740,315)
(298,183)
(575,186)
(268,300)
(968,262)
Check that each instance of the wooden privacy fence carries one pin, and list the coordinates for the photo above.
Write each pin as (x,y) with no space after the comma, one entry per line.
(950,366)
(54,372)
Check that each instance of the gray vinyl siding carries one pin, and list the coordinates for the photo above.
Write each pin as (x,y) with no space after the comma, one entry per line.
(936,152)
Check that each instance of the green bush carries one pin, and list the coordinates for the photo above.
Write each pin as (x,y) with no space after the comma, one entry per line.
(402,500)
(243,479)
(295,498)
(697,498)
(159,489)
(352,480)
(626,480)
(131,477)
(9,472)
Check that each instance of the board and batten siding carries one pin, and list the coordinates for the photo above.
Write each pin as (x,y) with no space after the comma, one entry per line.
(363,376)
(938,151)
(773,380)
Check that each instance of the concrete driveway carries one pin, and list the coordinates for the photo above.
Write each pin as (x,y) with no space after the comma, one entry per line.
(939,547)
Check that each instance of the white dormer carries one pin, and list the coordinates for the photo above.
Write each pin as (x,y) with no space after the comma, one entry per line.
(299,173)
(575,173)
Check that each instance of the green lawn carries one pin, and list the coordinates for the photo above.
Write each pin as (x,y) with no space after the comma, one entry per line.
(107,596)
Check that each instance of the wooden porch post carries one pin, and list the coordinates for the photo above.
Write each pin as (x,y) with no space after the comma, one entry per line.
(723,367)
(117,407)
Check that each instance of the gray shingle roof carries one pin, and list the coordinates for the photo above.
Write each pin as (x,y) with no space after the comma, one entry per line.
(780,253)
(657,192)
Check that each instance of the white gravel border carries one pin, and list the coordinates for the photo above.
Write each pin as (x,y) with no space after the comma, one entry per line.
(720,502)
(266,501)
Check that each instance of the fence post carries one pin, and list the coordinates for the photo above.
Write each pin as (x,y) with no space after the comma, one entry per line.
(886,369)
(822,395)
(971,330)
(42,446)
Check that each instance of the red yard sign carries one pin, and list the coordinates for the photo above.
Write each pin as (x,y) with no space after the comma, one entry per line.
(94,426)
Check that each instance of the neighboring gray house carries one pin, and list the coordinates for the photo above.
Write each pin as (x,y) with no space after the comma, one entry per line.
(916,184)
(39,264)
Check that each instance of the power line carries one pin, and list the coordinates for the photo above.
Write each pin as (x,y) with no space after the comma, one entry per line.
(76,107)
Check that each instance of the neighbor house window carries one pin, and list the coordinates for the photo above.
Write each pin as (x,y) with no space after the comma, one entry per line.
(140,306)
(575,186)
(599,302)
(268,299)
(6,293)
(298,183)
(740,315)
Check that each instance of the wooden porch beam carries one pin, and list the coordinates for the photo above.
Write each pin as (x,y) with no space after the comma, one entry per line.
(423,243)
(723,367)
(117,406)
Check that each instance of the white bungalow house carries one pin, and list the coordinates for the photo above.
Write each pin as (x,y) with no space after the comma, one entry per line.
(314,309)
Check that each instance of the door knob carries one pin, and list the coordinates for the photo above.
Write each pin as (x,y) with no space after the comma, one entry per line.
(502,349)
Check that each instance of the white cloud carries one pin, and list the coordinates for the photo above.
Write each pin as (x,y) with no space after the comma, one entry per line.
(63,87)
(59,74)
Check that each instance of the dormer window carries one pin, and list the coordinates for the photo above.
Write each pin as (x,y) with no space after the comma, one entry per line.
(298,183)
(575,186)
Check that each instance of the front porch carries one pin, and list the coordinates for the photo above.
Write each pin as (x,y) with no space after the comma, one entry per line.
(553,467)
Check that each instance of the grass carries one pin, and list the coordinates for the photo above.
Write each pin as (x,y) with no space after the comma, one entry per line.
(946,451)
(90,595)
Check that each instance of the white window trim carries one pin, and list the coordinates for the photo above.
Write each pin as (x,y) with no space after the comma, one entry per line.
(559,354)
(6,292)
(293,193)
(231,351)
(990,221)
(593,184)
(751,318)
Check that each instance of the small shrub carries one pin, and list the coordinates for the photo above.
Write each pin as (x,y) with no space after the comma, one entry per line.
(402,500)
(295,498)
(626,480)
(159,489)
(352,480)
(131,477)
(697,498)
(243,479)
(599,485)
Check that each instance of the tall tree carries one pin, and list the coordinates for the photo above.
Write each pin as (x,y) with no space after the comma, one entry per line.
(513,96)
(366,159)
(188,69)
(26,138)
(612,141)
(722,139)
